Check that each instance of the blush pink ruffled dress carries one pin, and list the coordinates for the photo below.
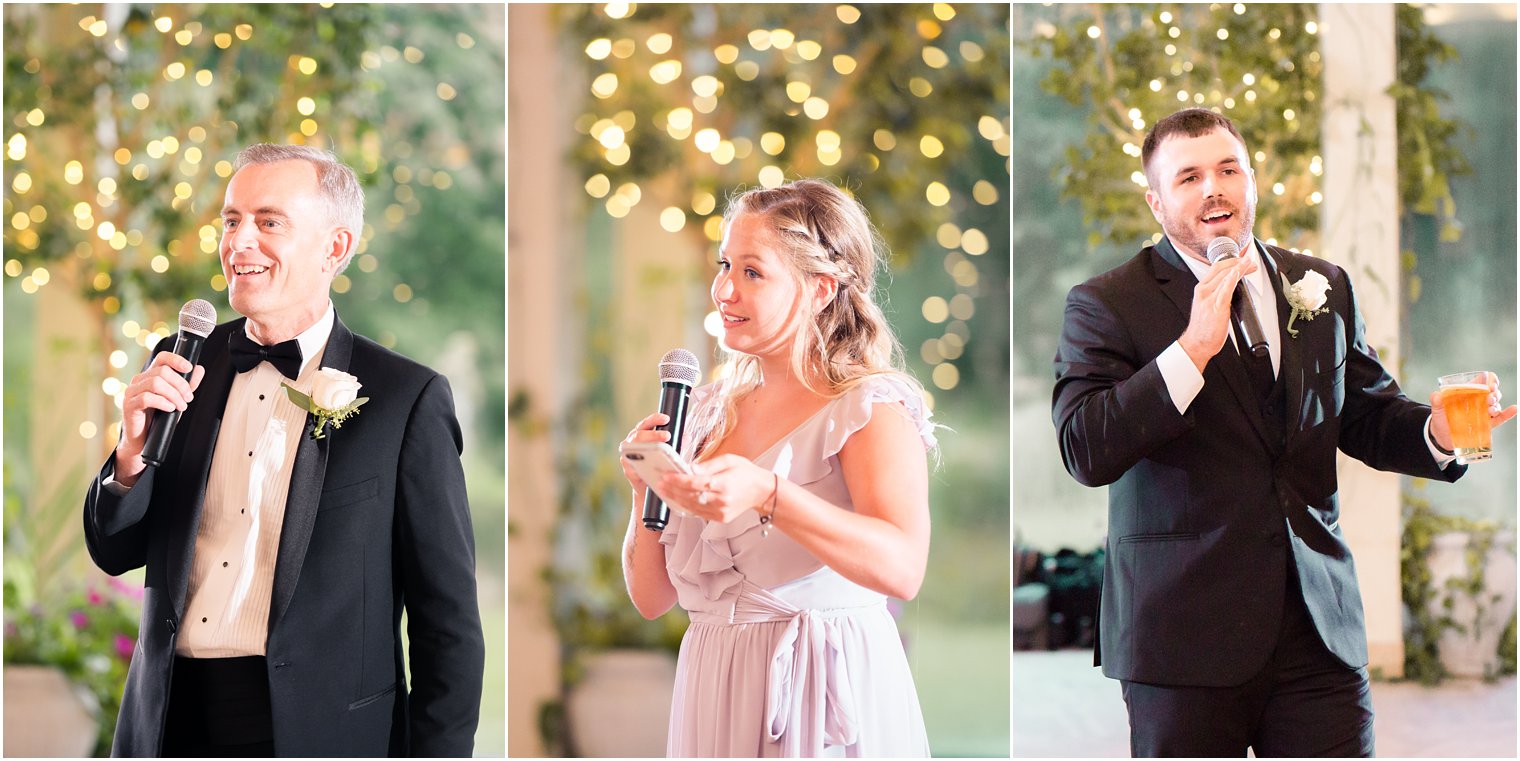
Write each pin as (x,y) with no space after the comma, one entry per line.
(785,657)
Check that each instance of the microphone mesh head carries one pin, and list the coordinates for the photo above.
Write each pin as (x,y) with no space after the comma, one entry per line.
(680,366)
(1222,248)
(197,316)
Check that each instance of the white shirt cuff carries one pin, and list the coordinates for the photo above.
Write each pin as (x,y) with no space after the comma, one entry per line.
(1183,381)
(115,487)
(1442,459)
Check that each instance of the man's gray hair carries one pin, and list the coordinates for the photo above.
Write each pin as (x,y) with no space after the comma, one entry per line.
(336,183)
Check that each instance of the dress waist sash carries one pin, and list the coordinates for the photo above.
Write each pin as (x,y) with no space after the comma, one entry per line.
(809,699)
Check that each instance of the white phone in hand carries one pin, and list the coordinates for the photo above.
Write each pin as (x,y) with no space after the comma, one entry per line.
(652,459)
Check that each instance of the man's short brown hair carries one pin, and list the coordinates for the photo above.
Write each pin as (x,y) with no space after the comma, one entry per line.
(1191,122)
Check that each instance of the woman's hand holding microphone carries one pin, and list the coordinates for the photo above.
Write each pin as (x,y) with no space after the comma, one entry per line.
(718,490)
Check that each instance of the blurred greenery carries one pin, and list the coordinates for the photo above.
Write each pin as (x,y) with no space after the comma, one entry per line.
(906,107)
(89,633)
(964,691)
(120,125)
(1432,610)
(1462,296)
(901,92)
(1131,65)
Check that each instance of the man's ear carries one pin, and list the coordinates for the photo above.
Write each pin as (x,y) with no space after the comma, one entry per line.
(338,248)
(1154,201)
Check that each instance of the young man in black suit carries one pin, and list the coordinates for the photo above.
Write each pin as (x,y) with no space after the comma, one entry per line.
(1230,608)
(279,563)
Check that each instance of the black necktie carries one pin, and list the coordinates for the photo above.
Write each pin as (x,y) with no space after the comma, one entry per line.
(1259,368)
(285,356)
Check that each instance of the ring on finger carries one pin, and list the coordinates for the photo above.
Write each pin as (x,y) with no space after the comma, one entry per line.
(702,497)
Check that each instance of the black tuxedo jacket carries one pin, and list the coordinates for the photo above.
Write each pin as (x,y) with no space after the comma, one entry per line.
(1205,508)
(377,520)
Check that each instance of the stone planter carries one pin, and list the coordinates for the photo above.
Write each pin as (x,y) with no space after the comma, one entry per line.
(46,715)
(621,709)
(1472,651)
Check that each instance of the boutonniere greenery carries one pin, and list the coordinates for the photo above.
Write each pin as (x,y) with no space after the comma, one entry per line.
(334,398)
(1306,298)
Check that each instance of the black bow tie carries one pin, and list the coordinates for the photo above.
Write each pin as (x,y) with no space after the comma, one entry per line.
(285,356)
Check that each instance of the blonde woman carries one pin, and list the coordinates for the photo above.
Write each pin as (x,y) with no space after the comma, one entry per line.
(808,507)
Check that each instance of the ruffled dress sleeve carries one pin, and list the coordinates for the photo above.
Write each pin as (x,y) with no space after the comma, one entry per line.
(857,407)
(812,458)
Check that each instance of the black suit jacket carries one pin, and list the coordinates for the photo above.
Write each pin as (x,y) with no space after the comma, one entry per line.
(1205,509)
(377,520)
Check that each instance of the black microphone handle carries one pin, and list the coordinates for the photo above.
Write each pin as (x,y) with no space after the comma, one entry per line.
(1250,324)
(673,399)
(161,424)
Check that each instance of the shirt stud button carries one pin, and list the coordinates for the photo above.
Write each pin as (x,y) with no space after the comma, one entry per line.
(203,619)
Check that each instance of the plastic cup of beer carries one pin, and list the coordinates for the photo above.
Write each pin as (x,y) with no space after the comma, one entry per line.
(1465,397)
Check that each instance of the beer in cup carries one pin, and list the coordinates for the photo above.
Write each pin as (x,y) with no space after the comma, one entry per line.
(1465,397)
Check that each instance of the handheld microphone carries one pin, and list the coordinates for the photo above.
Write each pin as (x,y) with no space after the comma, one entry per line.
(679,372)
(196,321)
(1222,248)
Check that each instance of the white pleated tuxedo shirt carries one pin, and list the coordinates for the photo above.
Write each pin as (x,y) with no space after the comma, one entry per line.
(232,573)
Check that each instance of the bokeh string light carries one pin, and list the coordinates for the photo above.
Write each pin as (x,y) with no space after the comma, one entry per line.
(1258,64)
(893,100)
(118,159)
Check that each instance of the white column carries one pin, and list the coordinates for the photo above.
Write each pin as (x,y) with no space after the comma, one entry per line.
(1359,226)
(541,238)
(659,300)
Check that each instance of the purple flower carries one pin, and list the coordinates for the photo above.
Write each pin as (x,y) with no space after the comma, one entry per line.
(124,646)
(11,629)
(95,598)
(133,591)
(79,619)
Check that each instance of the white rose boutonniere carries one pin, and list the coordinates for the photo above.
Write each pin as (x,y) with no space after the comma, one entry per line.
(334,398)
(1306,297)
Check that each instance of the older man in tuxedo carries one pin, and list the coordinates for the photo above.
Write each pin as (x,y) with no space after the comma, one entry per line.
(279,563)
(1230,609)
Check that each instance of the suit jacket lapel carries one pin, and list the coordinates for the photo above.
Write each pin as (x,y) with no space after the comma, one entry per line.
(1177,281)
(1178,285)
(306,479)
(194,462)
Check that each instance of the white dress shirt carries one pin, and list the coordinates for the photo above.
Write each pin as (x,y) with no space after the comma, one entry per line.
(1183,379)
(232,574)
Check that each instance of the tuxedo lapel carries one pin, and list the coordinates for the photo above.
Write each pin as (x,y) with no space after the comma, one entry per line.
(306,479)
(1177,281)
(194,460)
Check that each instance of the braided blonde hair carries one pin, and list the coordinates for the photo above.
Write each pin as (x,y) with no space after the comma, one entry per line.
(823,232)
